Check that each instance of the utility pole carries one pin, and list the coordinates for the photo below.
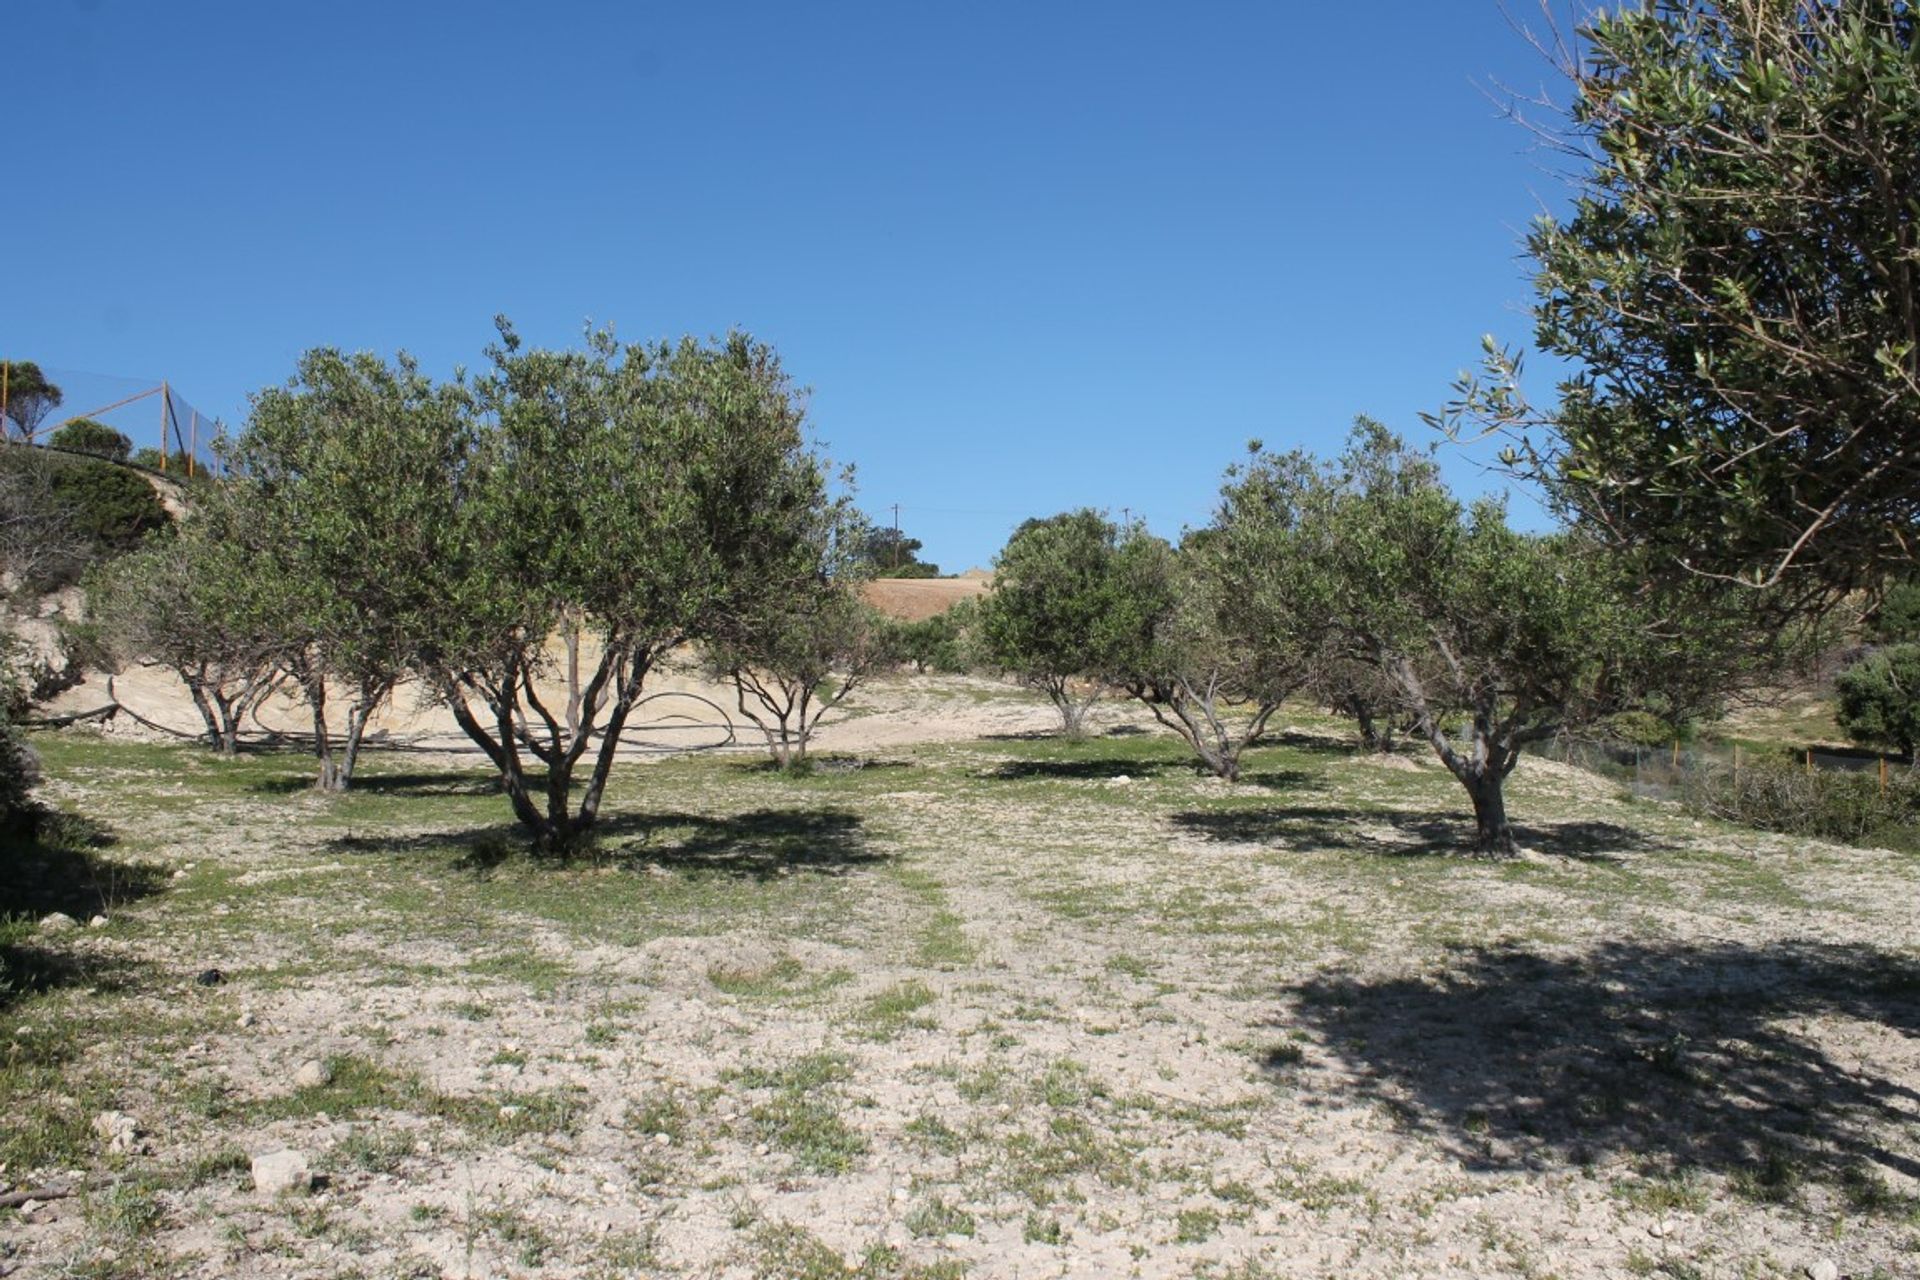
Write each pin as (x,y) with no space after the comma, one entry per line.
(896,537)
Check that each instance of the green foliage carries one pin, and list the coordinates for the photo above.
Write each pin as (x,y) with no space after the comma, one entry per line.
(941,643)
(85,435)
(1234,622)
(1519,635)
(1739,286)
(197,604)
(635,498)
(29,398)
(58,513)
(792,655)
(1826,804)
(1061,610)
(111,507)
(1897,620)
(887,553)
(19,766)
(1880,698)
(337,487)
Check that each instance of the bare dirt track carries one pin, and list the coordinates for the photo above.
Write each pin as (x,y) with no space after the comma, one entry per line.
(966,1001)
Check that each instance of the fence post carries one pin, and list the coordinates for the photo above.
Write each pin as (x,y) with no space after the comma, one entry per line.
(1809,762)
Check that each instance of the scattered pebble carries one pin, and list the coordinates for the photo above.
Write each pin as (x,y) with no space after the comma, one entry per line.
(313,1074)
(280,1171)
(97,922)
(1824,1269)
(58,922)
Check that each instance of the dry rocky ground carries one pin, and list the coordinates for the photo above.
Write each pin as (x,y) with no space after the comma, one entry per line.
(951,1005)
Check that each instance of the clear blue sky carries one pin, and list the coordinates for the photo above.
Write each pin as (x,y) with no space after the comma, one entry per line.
(1028,256)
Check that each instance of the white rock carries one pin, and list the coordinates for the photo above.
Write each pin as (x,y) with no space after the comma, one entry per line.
(1660,1229)
(279,1171)
(30,1207)
(98,922)
(180,874)
(662,1140)
(246,1020)
(313,1074)
(120,1131)
(58,922)
(1824,1269)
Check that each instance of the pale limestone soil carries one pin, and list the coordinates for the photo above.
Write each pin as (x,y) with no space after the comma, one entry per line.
(1104,1059)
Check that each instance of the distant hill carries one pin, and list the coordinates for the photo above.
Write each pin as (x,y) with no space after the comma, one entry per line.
(912,599)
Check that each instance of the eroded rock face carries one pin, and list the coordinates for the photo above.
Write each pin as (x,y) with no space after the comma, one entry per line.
(33,641)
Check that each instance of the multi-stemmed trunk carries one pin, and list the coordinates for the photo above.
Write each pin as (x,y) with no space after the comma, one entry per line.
(788,708)
(1073,710)
(225,701)
(1200,713)
(517,720)
(336,772)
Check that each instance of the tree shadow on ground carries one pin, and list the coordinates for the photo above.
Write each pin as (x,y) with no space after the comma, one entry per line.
(1096,769)
(58,862)
(429,783)
(1397,834)
(1684,1058)
(757,845)
(55,862)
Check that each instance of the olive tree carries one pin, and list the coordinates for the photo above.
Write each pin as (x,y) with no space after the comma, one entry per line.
(624,494)
(1880,698)
(1737,286)
(1493,638)
(1235,622)
(331,488)
(1060,618)
(193,603)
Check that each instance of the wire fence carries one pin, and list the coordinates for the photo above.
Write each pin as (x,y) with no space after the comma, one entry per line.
(1682,771)
(167,431)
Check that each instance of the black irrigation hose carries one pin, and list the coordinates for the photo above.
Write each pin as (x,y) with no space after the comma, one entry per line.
(278,737)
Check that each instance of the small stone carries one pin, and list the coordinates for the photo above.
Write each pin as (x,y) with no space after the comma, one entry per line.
(1659,1229)
(662,1139)
(509,1111)
(313,1074)
(954,1240)
(97,922)
(280,1171)
(762,1149)
(58,922)
(180,874)
(30,1207)
(1824,1269)
(246,1020)
(901,1195)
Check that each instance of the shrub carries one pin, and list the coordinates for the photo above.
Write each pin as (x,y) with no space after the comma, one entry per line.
(1880,698)
(84,435)
(1826,804)
(111,507)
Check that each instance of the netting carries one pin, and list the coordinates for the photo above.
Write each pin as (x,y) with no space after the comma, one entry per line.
(168,431)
